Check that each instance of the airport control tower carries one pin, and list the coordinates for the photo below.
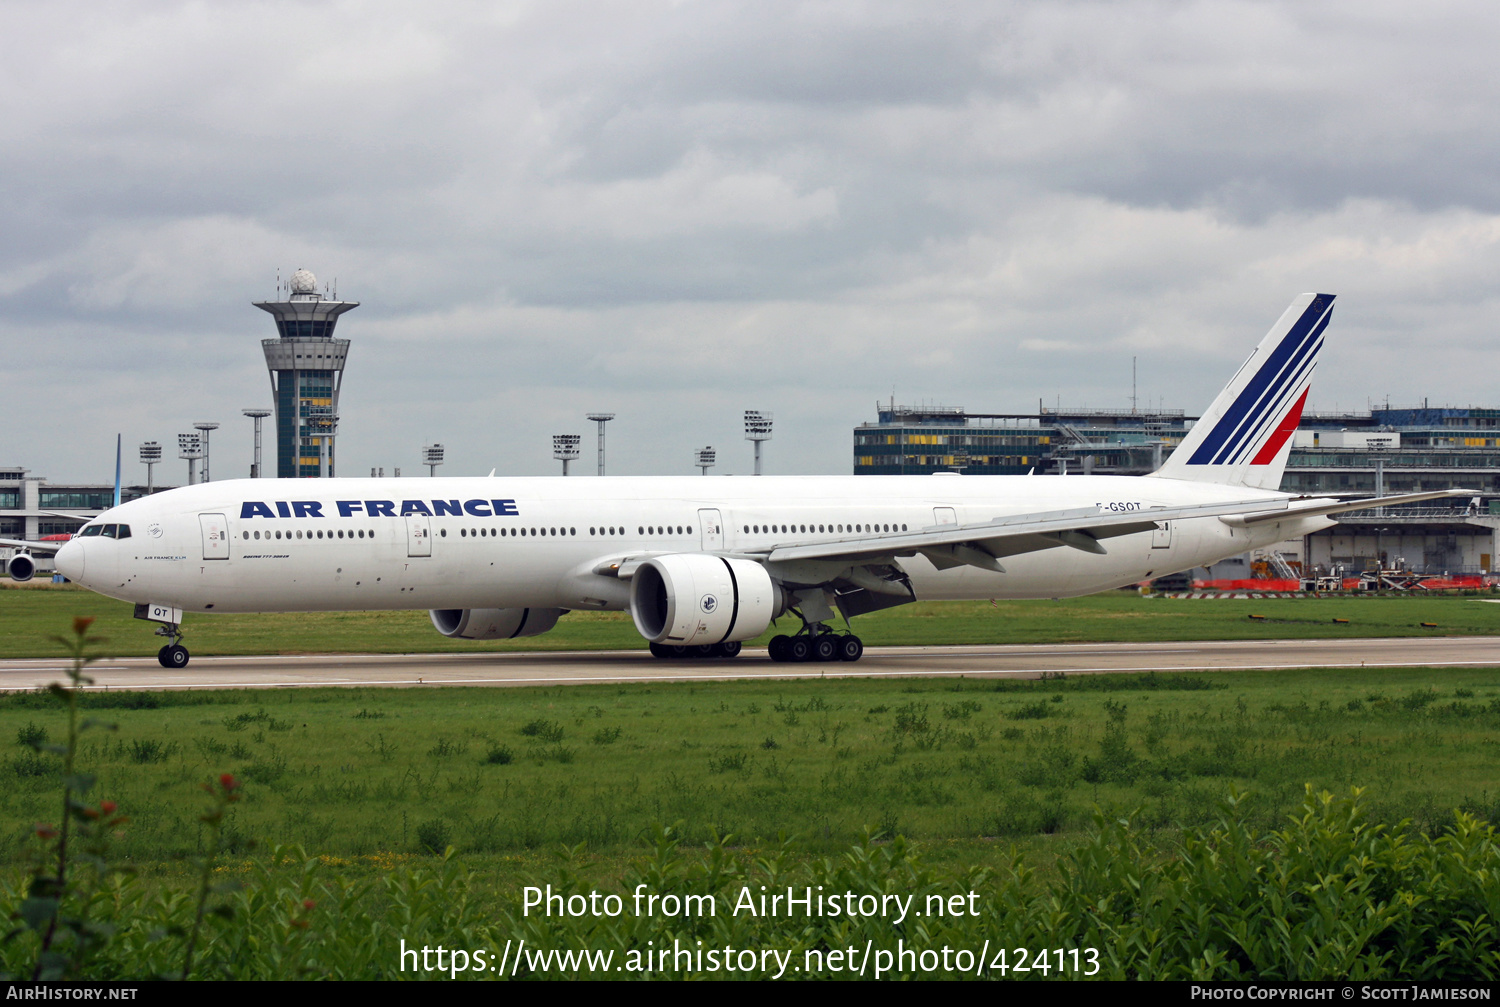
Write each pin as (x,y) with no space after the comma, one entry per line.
(307,367)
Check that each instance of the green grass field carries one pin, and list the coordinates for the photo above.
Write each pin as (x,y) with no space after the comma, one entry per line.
(31,615)
(998,783)
(361,773)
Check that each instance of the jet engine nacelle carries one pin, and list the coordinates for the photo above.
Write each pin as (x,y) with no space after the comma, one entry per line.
(692,599)
(494,623)
(21,566)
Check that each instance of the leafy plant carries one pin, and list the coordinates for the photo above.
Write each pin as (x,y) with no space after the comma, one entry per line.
(57,904)
(433,835)
(543,730)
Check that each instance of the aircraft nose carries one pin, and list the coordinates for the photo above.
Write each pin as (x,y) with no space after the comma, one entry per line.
(69,561)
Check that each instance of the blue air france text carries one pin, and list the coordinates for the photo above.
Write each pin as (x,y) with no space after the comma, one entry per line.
(380,508)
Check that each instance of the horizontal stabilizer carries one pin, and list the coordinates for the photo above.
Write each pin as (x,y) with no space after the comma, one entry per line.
(1326,507)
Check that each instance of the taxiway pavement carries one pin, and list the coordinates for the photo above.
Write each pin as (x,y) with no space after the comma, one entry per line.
(603,667)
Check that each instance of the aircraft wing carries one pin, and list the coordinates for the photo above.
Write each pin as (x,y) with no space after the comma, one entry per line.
(16,543)
(982,544)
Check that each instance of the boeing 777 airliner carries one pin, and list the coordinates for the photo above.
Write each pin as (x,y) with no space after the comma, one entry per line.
(703,564)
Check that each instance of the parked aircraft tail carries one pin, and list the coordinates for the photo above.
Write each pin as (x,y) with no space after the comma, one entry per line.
(1243,439)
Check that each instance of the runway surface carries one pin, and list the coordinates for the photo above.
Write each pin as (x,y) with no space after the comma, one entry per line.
(492,669)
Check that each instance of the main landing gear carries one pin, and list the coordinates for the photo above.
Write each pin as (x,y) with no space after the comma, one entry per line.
(817,643)
(174,654)
(703,652)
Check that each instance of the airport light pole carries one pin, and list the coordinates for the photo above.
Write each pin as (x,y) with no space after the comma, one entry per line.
(257,415)
(190,447)
(704,458)
(432,457)
(601,419)
(321,425)
(205,427)
(150,455)
(565,448)
(757,429)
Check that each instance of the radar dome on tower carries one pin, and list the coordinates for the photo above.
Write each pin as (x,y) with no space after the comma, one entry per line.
(304,282)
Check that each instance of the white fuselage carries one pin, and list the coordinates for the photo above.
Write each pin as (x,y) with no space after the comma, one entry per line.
(346,544)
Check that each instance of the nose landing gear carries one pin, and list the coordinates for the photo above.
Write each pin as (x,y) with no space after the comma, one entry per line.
(174,654)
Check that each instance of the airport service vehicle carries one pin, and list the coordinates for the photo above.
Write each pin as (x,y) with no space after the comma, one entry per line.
(705,563)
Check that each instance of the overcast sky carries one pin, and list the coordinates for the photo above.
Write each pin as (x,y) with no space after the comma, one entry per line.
(679,211)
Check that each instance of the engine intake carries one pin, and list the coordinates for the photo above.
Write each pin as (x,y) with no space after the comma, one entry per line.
(696,598)
(494,623)
(21,567)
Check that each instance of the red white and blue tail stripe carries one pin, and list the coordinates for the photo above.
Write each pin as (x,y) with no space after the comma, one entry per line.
(1245,436)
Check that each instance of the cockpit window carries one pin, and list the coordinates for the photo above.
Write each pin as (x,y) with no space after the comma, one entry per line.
(109,530)
(124,531)
(92,530)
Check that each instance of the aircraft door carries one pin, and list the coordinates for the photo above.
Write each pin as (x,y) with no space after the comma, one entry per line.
(711,527)
(944,516)
(1161,537)
(215,536)
(418,535)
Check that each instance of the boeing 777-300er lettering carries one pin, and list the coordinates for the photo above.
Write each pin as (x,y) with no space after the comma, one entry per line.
(703,564)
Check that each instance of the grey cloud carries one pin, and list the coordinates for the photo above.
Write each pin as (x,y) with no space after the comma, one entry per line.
(679,211)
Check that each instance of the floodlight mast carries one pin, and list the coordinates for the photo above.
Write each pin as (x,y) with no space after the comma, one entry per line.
(321,424)
(205,426)
(150,455)
(757,429)
(257,415)
(190,447)
(432,457)
(704,458)
(565,448)
(601,419)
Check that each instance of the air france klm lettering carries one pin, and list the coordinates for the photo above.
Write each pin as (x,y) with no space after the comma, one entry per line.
(703,564)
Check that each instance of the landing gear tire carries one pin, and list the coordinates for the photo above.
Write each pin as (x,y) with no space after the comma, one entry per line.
(851,648)
(777,647)
(797,649)
(825,648)
(173,656)
(664,651)
(704,652)
(730,648)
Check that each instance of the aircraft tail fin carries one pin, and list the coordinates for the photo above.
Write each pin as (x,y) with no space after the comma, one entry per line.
(1244,438)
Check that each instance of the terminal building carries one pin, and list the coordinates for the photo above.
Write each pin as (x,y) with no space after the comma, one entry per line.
(1375,452)
(906,441)
(33,509)
(306,365)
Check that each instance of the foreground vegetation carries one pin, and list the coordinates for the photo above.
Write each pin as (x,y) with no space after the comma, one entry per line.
(360,772)
(32,615)
(1328,896)
(1086,818)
